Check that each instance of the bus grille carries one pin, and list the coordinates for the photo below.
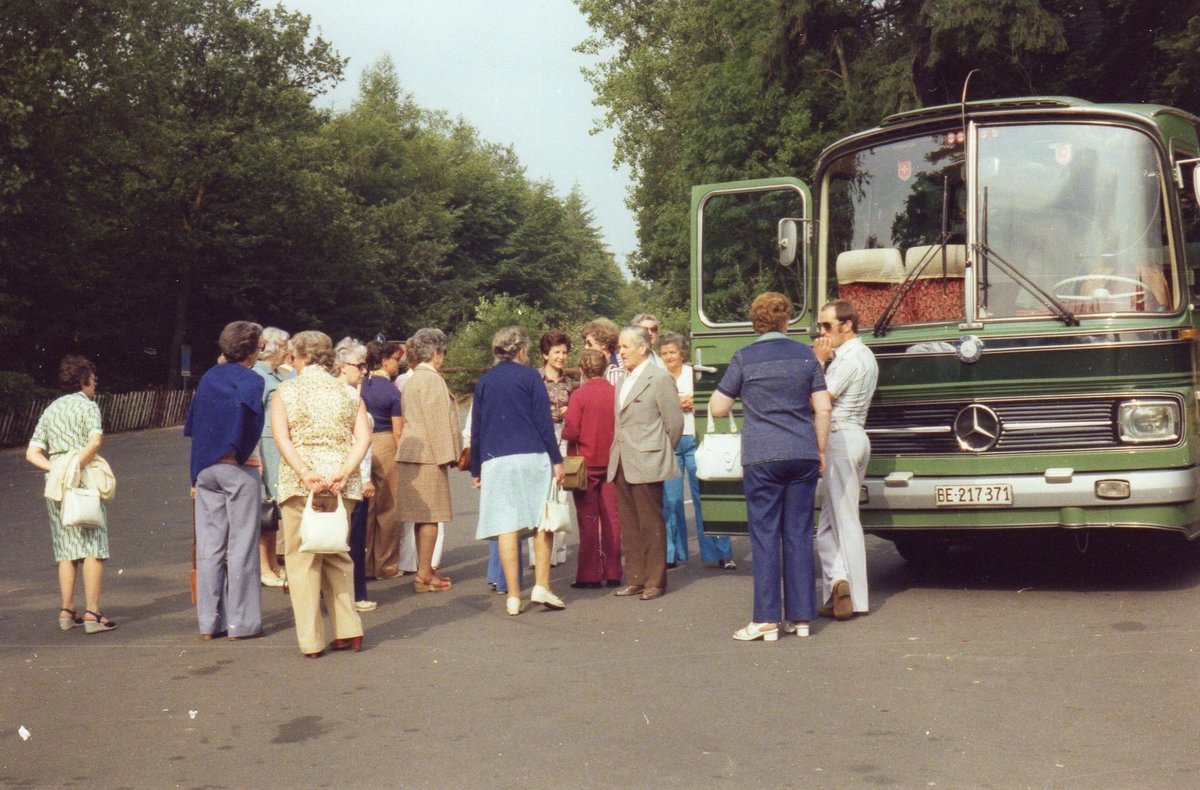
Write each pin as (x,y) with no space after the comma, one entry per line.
(1029,425)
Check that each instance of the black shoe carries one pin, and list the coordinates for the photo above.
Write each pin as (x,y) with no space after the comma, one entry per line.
(613,583)
(586,585)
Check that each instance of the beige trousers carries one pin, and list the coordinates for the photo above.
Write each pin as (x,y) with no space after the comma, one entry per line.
(383,521)
(311,576)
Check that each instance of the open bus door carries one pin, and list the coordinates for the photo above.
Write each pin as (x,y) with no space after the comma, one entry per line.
(747,237)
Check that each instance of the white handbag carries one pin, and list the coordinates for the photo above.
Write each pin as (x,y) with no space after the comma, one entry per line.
(719,456)
(556,510)
(80,506)
(324,533)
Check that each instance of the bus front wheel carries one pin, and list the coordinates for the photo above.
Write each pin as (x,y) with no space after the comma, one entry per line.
(922,549)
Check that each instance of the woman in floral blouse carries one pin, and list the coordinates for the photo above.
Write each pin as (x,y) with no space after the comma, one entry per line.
(322,433)
(555,346)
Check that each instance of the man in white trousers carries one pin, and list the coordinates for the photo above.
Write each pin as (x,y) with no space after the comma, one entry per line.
(851,376)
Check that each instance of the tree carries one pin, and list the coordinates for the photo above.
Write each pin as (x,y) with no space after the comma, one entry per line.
(152,136)
(701,91)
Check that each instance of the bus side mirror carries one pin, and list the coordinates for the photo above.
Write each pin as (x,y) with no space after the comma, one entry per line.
(789,242)
(1196,182)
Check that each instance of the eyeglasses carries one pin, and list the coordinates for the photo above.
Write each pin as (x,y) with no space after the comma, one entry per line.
(362,366)
(825,326)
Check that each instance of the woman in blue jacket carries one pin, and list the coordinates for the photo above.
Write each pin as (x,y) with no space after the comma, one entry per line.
(513,454)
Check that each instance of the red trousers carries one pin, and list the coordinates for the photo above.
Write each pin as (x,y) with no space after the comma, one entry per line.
(599,530)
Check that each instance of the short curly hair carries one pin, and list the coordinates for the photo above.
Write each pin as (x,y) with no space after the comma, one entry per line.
(315,348)
(554,337)
(669,338)
(379,350)
(240,340)
(425,343)
(508,342)
(275,339)
(348,348)
(770,312)
(604,331)
(74,371)
(593,363)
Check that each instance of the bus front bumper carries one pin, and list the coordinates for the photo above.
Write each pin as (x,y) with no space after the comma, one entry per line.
(1155,499)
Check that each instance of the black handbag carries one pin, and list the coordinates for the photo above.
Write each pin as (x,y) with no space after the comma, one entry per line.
(268,516)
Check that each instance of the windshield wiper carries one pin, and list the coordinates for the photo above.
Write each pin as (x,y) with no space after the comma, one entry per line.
(1045,297)
(991,256)
(884,322)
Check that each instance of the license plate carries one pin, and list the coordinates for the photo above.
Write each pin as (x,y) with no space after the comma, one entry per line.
(996,495)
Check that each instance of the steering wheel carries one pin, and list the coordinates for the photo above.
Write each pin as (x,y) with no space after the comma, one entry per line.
(1100,293)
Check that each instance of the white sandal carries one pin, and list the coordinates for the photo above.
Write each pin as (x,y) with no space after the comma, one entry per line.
(797,627)
(768,632)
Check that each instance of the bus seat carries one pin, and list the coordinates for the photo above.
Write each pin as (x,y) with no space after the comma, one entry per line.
(866,278)
(956,260)
(934,298)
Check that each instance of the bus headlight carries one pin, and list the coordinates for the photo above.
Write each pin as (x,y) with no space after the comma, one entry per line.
(1142,421)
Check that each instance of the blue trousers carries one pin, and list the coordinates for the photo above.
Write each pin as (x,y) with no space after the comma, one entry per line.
(779,506)
(358,547)
(712,549)
(495,574)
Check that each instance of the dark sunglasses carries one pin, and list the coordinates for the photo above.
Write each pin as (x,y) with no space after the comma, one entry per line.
(360,365)
(828,327)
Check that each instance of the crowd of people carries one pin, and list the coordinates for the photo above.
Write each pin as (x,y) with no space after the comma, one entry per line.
(285,428)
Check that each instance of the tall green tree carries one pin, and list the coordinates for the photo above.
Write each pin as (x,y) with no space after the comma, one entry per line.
(701,90)
(158,140)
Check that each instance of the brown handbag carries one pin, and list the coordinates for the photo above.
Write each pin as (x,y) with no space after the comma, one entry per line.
(576,478)
(464,460)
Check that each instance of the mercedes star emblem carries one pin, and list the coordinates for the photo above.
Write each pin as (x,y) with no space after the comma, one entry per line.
(977,428)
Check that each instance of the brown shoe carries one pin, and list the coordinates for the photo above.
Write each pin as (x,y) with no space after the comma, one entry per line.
(650,593)
(843,607)
(826,610)
(629,589)
(389,572)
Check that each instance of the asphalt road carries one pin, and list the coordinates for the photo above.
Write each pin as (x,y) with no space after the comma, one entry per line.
(1019,664)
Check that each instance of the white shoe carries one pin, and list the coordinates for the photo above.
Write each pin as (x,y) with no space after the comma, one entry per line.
(546,598)
(513,605)
(768,632)
(271,581)
(365,606)
(797,627)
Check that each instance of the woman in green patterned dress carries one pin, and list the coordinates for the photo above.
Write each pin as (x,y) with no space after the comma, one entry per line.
(70,424)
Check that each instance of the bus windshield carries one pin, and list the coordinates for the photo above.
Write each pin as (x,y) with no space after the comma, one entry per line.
(1067,219)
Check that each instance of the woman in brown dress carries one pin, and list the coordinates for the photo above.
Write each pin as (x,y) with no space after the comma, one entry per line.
(430,443)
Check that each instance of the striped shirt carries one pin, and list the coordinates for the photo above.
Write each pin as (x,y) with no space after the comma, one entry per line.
(67,424)
(851,378)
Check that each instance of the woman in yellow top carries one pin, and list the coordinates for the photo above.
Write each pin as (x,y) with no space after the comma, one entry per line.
(321,430)
(432,440)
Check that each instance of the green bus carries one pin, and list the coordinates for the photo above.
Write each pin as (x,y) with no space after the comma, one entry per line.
(1025,271)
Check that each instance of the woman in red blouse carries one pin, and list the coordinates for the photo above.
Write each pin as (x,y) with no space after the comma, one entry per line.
(588,430)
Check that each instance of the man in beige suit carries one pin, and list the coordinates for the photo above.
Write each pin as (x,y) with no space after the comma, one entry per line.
(649,422)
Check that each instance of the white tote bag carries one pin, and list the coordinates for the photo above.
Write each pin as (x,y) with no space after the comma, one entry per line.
(324,533)
(80,506)
(719,456)
(556,510)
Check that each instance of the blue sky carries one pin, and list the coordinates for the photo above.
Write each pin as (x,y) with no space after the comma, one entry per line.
(507,67)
